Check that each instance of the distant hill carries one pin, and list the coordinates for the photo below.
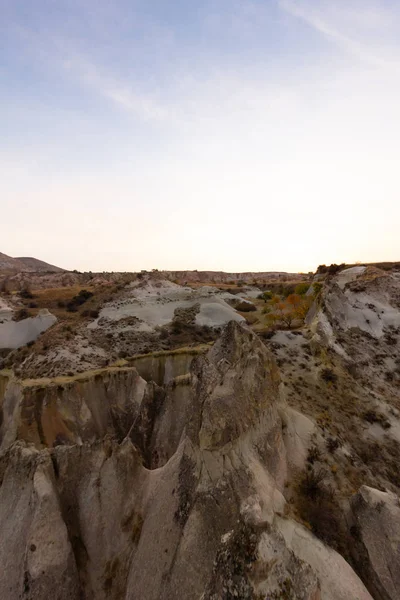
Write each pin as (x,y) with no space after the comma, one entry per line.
(38,265)
(26,264)
(222,277)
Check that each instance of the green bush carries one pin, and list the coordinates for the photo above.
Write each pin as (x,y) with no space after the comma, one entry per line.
(78,300)
(266,295)
(301,288)
(317,287)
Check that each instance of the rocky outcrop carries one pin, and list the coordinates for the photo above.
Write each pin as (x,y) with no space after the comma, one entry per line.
(72,410)
(377,519)
(361,298)
(178,492)
(35,551)
(164,367)
(221,277)
(14,334)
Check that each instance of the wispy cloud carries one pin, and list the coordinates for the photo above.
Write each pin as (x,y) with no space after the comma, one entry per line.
(122,94)
(333,20)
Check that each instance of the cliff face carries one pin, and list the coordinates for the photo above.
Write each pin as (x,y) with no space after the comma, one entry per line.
(116,487)
(50,413)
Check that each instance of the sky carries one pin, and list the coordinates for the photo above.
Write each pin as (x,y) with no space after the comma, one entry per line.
(226,135)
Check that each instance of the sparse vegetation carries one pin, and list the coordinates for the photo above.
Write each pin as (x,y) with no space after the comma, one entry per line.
(372,416)
(317,506)
(317,287)
(92,313)
(331,270)
(21,314)
(286,310)
(302,288)
(310,483)
(329,375)
(332,444)
(314,454)
(78,300)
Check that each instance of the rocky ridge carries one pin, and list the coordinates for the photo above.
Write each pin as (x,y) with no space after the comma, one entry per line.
(179,493)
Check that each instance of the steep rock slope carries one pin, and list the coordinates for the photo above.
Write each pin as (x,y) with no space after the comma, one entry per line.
(185,503)
(343,371)
(377,515)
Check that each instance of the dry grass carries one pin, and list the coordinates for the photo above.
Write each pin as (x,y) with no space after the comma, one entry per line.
(52,298)
(195,285)
(81,377)
(192,350)
(118,367)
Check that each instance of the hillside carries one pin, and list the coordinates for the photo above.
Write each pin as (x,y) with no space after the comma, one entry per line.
(7,263)
(34,264)
(26,264)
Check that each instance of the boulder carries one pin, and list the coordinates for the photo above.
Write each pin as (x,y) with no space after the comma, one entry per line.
(377,518)
(14,334)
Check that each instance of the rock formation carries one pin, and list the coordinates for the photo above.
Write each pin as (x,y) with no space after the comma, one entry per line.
(377,518)
(114,487)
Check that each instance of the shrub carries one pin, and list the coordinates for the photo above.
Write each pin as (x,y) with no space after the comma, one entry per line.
(371,416)
(78,300)
(83,296)
(327,523)
(245,307)
(266,296)
(71,307)
(318,507)
(26,294)
(329,376)
(332,269)
(332,444)
(177,326)
(390,339)
(317,287)
(301,289)
(92,313)
(21,314)
(310,484)
(313,454)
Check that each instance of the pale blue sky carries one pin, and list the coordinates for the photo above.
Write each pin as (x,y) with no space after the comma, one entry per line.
(219,134)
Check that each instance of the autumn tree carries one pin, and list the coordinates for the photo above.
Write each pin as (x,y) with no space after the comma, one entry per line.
(294,300)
